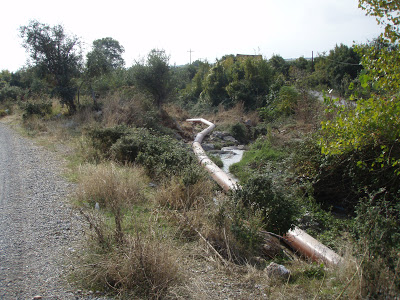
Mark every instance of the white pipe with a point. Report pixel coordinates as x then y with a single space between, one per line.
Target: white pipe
298 239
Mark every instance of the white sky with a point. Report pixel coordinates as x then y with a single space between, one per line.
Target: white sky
211 28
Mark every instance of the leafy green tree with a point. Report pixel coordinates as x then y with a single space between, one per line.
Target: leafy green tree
7 90
154 76
364 141
279 65
102 62
214 91
105 57
57 56
338 68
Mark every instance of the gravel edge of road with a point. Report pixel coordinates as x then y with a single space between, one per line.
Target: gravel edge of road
39 228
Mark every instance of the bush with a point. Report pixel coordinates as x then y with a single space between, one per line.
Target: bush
376 228
10 93
103 138
160 154
278 211
40 109
240 132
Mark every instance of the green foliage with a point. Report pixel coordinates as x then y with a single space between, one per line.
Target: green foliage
382 60
376 228
240 132
338 68
154 76
260 153
283 104
162 155
362 149
214 91
315 271
234 80
105 57
247 222
8 92
278 210
103 138
192 91
371 124
56 55
40 109
279 65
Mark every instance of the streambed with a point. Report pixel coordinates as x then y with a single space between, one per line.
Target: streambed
229 156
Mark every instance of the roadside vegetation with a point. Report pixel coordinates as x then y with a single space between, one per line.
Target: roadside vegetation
322 153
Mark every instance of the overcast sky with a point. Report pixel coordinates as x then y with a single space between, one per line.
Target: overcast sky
211 28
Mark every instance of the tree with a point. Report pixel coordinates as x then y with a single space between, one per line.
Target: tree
106 56
383 63
338 68
364 144
154 76
57 55
279 65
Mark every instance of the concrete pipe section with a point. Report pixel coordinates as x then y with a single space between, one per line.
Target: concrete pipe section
296 238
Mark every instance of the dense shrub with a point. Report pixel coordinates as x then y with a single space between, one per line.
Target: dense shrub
103 138
278 210
240 132
161 155
10 93
376 230
39 109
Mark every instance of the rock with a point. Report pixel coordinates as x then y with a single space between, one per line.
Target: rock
230 138
271 245
208 147
277 271
218 134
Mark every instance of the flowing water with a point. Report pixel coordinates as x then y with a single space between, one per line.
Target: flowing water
229 156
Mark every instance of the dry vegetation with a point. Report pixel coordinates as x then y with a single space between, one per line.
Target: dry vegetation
171 239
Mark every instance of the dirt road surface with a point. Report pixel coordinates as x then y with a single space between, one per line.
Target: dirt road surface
38 228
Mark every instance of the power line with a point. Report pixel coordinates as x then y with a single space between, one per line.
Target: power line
340 62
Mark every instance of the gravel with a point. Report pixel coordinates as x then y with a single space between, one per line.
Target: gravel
38 228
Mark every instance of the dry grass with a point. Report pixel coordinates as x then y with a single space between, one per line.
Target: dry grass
111 185
226 117
174 194
134 110
143 266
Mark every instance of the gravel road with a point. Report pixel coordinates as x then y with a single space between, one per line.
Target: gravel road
38 228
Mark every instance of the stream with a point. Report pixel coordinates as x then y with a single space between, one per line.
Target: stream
229 156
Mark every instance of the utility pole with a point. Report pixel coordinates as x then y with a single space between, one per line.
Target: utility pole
190 51
312 61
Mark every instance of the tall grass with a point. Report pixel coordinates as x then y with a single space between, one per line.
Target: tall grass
115 259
